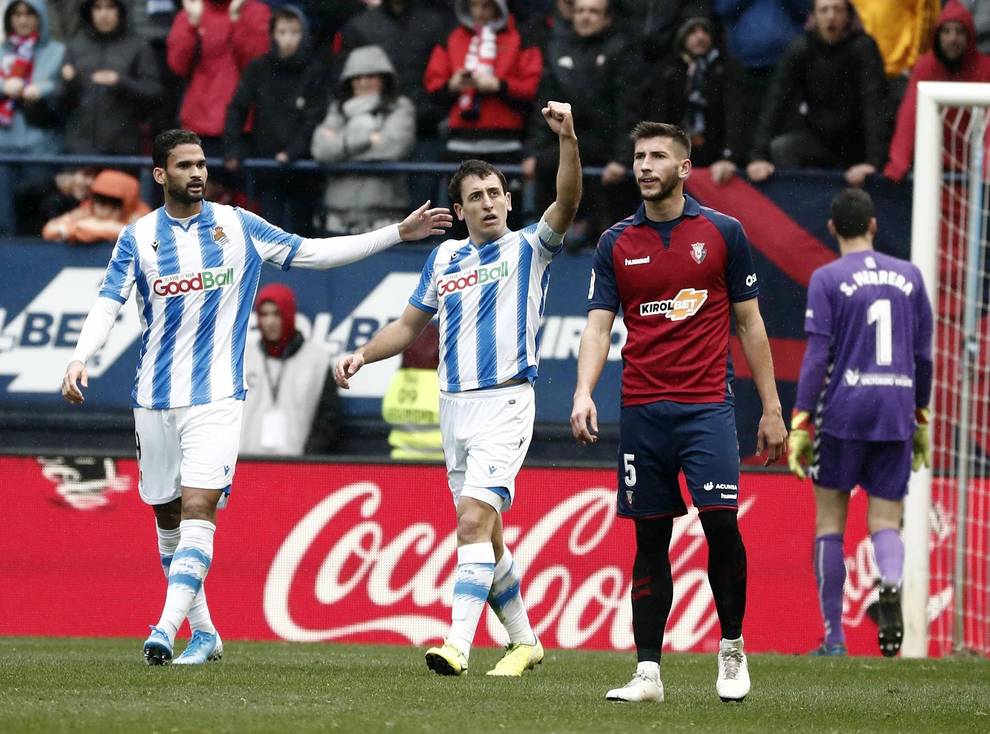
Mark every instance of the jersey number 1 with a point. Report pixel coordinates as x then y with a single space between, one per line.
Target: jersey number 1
879 314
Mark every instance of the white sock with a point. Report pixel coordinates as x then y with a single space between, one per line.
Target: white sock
725 644
649 669
472 583
506 601
199 613
188 569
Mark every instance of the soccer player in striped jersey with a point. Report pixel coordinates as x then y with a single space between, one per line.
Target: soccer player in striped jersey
863 396
489 292
195 266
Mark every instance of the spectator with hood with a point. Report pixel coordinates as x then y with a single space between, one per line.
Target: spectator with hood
292 405
954 58
486 75
114 202
29 65
209 46
111 82
696 89
407 30
655 22
271 90
369 121
825 104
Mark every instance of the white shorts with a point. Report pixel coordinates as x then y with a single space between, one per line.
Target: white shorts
486 435
195 446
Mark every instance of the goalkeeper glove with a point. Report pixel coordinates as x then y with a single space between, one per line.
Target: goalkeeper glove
921 452
799 451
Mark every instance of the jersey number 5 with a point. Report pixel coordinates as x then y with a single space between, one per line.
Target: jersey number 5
630 469
879 314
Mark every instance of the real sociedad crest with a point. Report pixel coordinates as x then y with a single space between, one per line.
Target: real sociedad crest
698 252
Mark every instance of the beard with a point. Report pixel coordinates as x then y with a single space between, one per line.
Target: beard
666 189
181 196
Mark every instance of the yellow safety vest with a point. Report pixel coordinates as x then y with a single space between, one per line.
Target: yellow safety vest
412 407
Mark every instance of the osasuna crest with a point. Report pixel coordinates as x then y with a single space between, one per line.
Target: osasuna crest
699 251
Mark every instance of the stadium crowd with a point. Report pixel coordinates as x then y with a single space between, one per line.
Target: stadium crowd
757 84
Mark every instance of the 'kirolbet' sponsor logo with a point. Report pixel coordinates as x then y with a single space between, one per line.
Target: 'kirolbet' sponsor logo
684 305
180 285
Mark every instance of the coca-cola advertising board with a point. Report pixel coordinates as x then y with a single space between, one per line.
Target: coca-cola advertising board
365 553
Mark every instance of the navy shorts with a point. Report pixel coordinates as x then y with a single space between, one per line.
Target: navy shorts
882 468
657 440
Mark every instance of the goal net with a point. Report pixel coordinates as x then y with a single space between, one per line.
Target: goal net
947 521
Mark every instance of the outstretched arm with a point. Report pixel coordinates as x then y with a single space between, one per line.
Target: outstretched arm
290 250
561 213
392 340
756 347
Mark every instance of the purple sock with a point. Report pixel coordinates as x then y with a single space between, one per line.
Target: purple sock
888 549
830 570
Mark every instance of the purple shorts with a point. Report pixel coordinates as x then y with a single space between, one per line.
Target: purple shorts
882 468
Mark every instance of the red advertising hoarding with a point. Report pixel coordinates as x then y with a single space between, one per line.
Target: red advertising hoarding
365 553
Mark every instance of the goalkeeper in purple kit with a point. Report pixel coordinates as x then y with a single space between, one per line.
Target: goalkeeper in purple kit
861 414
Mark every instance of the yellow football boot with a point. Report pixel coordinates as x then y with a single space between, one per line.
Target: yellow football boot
446 660
518 659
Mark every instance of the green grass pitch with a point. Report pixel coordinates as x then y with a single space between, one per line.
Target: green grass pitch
85 685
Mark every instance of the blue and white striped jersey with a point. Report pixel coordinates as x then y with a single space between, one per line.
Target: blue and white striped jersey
196 282
490 300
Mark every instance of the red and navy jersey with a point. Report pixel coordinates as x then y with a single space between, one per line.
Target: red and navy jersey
674 282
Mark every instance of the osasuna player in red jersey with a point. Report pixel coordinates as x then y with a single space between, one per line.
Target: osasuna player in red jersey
677 269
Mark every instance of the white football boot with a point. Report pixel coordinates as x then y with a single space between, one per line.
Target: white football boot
641 688
733 674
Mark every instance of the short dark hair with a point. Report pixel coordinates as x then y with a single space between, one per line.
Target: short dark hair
647 129
166 141
472 167
852 210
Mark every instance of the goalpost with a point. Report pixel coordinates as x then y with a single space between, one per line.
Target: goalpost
946 593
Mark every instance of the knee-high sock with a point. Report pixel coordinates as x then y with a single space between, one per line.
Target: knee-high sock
472 584
199 613
830 570
888 550
505 599
726 569
652 587
189 566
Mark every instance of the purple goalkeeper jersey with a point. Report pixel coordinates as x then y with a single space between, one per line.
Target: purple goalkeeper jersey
875 312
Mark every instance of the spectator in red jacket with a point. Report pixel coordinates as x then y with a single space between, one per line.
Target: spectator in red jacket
209 45
954 58
487 76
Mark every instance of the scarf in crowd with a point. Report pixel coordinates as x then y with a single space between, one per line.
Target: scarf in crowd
17 63
697 105
480 57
